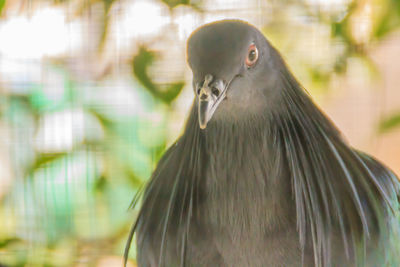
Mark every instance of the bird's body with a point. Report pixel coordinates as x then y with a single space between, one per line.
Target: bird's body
267 184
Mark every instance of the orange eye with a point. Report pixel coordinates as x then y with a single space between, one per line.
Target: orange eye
252 55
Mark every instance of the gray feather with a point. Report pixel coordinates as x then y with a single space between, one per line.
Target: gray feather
276 185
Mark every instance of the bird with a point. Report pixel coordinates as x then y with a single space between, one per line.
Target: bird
260 175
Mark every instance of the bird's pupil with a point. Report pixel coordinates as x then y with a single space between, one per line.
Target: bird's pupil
252 55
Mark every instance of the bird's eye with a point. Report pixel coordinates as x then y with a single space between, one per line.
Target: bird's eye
252 55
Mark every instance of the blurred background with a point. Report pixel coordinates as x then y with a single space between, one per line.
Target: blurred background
93 91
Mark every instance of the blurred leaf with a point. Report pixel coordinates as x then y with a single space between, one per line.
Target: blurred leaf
319 77
39 101
107 123
389 20
100 184
389 123
341 28
372 68
7 241
44 158
134 179
174 3
173 91
159 151
22 100
2 3
107 4
141 62
340 65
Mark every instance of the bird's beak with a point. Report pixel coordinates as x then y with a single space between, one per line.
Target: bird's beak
210 95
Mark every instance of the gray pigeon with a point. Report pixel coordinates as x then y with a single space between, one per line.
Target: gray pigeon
260 176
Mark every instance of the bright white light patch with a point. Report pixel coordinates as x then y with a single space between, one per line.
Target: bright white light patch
139 19
61 131
187 21
328 2
44 34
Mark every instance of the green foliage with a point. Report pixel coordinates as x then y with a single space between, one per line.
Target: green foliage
8 241
2 3
141 62
389 123
42 159
174 3
389 20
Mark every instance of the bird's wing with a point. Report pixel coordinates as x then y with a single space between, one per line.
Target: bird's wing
383 174
154 202
335 187
167 205
391 184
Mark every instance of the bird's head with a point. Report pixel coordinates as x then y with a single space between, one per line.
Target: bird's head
235 71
